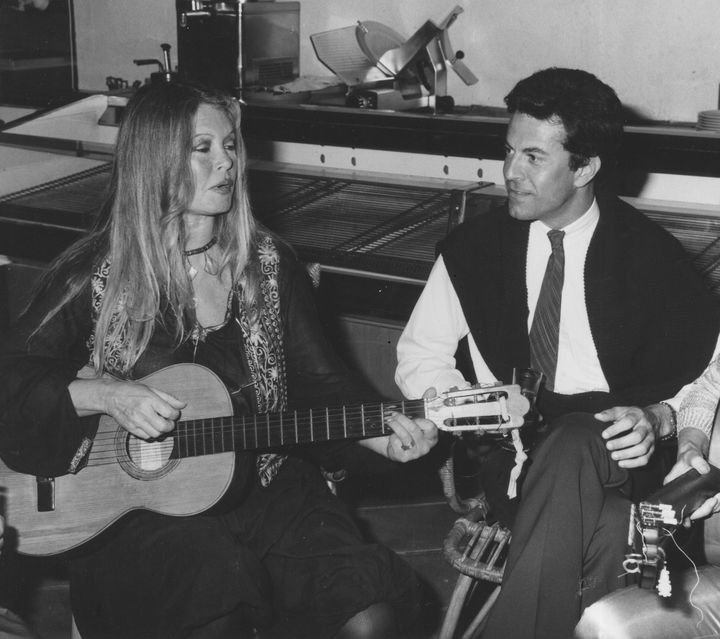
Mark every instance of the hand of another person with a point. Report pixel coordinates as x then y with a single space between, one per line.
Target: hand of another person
709 507
411 438
631 437
692 447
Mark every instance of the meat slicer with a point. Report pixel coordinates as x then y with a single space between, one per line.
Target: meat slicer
382 70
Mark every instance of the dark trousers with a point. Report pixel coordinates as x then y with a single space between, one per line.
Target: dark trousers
569 534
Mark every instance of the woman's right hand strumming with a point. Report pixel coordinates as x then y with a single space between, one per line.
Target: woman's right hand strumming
143 411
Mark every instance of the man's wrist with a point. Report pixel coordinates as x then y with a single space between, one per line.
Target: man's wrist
663 419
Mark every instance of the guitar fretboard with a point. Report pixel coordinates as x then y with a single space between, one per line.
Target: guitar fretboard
207 436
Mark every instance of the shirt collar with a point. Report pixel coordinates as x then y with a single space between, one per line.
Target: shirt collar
583 223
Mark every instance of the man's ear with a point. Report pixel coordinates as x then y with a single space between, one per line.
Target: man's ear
586 173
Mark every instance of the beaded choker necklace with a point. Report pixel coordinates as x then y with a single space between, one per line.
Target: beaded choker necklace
209 266
202 249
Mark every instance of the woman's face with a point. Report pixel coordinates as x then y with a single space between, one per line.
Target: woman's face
213 161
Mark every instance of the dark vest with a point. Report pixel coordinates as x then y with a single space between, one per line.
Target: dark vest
653 322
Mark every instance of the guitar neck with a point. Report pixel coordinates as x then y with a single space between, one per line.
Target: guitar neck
197 437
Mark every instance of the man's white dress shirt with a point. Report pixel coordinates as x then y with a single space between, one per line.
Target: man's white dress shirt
426 349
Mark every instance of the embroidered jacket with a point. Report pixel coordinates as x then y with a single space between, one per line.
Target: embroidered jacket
290 361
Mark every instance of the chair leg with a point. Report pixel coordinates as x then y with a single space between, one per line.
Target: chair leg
74 632
457 601
474 629
456 607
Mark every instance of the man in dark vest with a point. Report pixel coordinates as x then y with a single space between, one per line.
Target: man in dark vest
569 280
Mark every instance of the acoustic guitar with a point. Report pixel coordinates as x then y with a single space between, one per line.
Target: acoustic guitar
189 470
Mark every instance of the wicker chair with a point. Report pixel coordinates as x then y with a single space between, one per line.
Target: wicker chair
477 550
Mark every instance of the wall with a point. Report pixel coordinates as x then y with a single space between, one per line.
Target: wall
662 56
110 34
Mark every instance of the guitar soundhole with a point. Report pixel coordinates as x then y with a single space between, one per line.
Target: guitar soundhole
143 459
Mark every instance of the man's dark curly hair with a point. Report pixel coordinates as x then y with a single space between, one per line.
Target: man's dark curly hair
589 110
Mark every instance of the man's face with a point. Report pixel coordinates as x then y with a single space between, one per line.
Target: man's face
538 178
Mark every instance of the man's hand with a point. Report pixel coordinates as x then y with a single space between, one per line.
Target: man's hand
410 439
632 435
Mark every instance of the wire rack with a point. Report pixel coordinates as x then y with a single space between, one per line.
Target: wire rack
700 236
361 224
382 227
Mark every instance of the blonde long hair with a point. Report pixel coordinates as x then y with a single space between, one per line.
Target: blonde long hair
140 227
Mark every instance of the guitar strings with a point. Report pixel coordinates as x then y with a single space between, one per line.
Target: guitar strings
671 534
195 432
633 557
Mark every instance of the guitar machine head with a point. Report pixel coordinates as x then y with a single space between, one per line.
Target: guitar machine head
495 408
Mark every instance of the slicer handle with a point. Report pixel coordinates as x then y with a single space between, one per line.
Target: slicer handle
144 61
166 56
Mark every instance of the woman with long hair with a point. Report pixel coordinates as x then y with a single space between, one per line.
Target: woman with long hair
177 271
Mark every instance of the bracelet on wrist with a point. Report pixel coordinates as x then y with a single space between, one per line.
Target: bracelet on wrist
673 422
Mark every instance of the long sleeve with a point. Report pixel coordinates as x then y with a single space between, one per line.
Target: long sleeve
40 431
426 349
677 400
700 403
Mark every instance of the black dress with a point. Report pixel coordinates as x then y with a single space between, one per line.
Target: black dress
287 554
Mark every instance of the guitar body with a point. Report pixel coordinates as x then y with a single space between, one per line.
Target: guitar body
123 474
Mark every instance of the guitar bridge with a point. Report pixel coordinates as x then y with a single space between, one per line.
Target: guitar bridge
45 494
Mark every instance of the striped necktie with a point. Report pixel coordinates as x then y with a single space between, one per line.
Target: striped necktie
545 329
